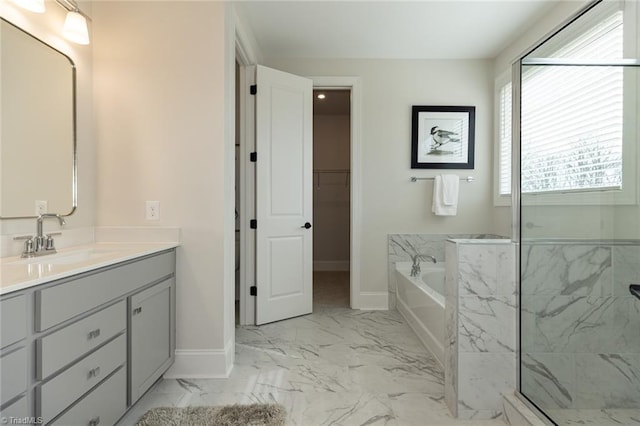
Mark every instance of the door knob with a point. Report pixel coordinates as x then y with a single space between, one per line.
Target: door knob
306 225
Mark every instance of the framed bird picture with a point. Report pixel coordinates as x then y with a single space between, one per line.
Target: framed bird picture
442 137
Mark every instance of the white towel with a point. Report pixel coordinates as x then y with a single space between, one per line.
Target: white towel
445 195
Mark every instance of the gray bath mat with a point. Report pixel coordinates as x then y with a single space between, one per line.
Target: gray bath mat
226 415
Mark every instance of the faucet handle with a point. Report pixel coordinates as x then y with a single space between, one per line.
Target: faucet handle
28 245
50 243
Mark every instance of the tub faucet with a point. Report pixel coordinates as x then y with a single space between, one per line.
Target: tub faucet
415 268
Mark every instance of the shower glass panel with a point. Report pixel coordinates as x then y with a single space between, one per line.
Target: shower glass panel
579 207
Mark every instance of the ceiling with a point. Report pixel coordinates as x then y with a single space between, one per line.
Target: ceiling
419 29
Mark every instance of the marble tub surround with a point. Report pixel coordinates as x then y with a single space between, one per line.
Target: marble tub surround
581 329
480 326
421 302
402 247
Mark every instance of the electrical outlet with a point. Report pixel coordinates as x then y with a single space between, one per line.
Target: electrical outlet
41 207
152 210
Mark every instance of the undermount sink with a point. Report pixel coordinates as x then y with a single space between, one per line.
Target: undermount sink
65 258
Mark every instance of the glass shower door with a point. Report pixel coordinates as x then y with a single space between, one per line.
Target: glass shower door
580 220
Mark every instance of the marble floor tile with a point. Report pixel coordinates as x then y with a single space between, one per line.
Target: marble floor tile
336 366
604 417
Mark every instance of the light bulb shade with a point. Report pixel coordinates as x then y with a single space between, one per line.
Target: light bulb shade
31 5
75 28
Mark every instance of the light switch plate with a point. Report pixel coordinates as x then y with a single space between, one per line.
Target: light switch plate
41 207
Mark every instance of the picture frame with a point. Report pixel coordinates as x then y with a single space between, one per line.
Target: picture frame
443 137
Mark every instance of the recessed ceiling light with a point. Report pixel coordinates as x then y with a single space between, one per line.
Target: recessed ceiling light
321 96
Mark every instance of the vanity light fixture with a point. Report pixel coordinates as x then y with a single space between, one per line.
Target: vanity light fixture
31 5
75 27
321 96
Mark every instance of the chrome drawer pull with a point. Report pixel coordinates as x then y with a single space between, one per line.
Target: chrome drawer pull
137 310
93 373
93 334
94 421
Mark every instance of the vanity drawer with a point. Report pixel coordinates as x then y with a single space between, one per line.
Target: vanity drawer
17 410
58 393
103 406
60 348
13 320
13 374
66 300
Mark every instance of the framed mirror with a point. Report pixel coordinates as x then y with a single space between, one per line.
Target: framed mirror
37 127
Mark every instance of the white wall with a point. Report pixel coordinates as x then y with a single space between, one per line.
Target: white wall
390 203
48 28
163 81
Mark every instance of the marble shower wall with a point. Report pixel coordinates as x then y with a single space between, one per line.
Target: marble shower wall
480 330
403 246
580 325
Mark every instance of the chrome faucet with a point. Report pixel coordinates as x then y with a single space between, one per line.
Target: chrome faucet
415 268
41 244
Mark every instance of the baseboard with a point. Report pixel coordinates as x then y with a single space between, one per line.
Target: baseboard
331 265
374 301
425 336
201 364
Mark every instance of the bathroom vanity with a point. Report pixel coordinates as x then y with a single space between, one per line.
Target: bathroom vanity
85 333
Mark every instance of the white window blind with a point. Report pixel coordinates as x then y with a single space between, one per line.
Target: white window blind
571 125
504 181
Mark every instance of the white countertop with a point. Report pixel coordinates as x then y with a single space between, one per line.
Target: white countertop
17 275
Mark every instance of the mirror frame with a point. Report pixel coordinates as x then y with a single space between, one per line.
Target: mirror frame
74 173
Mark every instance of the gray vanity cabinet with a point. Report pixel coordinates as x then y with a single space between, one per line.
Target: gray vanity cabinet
14 369
81 350
151 335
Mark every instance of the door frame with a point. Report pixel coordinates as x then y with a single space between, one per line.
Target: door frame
352 84
247 184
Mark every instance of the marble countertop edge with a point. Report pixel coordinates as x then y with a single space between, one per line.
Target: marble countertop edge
17 276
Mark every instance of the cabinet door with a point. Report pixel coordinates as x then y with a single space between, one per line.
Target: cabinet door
152 336
13 320
13 374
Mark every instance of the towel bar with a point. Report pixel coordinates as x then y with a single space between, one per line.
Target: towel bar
414 179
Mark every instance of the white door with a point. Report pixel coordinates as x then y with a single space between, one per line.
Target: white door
284 185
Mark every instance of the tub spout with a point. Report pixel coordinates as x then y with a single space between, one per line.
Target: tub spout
415 268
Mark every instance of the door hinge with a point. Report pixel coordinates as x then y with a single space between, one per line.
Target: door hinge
253 224
253 157
253 89
253 290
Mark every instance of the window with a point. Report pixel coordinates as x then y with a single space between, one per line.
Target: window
572 128
504 139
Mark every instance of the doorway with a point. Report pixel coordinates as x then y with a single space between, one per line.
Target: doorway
331 197
247 189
